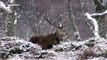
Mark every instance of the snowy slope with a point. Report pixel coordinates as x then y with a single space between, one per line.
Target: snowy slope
13 48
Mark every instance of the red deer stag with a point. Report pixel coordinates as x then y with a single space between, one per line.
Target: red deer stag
47 41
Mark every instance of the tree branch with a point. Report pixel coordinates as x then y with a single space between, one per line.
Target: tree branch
99 14
96 28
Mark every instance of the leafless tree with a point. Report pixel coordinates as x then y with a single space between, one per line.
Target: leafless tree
10 15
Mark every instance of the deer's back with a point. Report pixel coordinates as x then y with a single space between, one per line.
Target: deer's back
37 39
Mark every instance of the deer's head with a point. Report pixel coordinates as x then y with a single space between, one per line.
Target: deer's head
60 32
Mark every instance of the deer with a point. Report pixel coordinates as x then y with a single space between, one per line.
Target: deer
47 41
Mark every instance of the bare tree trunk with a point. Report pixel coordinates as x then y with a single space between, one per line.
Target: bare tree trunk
74 27
10 15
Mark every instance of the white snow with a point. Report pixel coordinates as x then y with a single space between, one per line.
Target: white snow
7 8
11 1
99 14
68 52
4 7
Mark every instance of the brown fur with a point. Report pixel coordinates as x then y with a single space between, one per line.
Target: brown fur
47 41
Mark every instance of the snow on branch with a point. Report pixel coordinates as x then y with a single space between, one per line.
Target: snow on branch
3 6
94 21
8 8
96 28
99 14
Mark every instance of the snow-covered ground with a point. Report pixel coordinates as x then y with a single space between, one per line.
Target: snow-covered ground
13 48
